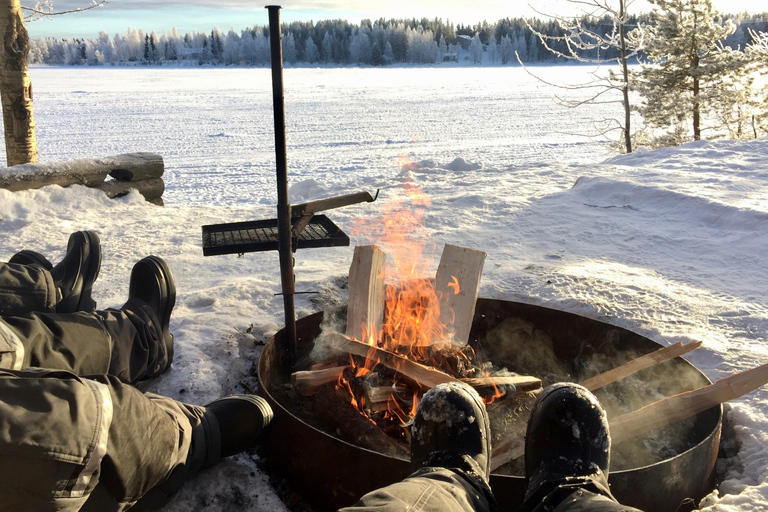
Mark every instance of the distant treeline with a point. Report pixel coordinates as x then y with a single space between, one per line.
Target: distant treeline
339 42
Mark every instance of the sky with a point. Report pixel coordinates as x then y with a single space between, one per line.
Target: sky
115 16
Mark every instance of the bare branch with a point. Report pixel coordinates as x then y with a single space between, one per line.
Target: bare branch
44 9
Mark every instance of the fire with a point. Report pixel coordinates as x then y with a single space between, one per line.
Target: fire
412 312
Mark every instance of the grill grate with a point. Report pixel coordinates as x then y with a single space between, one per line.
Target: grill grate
262 235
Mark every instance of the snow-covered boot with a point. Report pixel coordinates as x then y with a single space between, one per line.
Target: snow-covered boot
451 430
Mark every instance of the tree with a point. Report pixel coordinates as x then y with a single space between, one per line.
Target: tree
600 38
678 79
16 86
476 49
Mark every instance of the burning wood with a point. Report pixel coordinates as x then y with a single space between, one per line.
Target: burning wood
458 280
365 309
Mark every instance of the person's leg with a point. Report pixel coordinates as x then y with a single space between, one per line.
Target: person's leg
450 457
69 443
28 282
132 342
25 288
567 453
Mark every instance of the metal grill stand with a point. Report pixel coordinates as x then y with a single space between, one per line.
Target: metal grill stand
296 227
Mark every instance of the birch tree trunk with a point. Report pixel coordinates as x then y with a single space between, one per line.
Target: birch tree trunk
16 87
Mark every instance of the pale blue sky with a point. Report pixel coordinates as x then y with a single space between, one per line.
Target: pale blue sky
117 15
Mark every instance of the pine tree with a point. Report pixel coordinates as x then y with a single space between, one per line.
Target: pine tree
678 81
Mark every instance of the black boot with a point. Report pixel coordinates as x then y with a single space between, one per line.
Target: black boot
242 419
74 275
152 295
451 430
31 258
567 446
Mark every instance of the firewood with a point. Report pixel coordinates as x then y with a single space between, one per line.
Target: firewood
309 382
687 404
365 306
662 412
424 376
486 385
640 363
340 416
457 284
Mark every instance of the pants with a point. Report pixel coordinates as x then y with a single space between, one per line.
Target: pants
449 490
69 443
125 344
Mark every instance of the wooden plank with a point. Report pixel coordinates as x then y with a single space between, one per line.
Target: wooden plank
427 377
365 307
687 404
485 385
310 381
457 285
662 412
640 363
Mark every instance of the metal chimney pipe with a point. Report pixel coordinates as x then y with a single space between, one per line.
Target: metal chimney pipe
283 206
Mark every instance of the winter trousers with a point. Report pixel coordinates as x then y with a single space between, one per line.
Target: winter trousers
125 344
452 490
70 443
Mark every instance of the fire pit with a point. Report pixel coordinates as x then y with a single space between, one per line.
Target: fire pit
331 473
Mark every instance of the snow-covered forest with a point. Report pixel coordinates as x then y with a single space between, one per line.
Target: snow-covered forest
338 42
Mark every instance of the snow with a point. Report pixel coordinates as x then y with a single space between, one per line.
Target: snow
670 244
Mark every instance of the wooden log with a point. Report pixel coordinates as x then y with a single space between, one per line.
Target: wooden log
457 284
151 188
88 172
338 415
687 404
425 376
486 385
310 381
365 307
640 363
662 412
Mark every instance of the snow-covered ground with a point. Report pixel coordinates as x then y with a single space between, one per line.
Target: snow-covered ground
671 244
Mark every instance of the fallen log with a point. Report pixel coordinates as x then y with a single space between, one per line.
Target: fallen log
639 363
660 413
151 189
89 172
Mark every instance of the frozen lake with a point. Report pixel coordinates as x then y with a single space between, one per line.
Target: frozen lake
214 126
671 244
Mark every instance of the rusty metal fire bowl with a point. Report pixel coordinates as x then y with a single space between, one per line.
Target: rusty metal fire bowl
330 473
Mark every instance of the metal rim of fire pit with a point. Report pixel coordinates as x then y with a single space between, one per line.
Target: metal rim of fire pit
331 473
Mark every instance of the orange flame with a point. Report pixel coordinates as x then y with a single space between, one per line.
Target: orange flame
412 321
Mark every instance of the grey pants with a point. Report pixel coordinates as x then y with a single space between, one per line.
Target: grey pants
448 490
70 443
125 344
